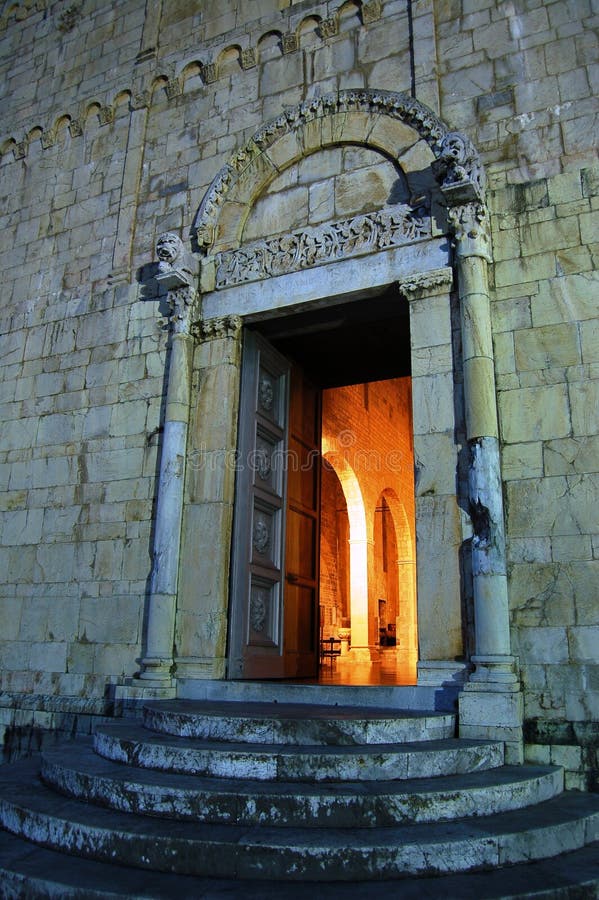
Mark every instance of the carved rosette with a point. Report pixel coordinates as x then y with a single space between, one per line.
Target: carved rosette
260 535
310 247
258 611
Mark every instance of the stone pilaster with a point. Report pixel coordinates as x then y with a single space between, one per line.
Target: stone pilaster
438 517
202 609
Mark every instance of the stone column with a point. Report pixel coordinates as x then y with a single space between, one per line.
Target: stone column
174 274
361 551
491 705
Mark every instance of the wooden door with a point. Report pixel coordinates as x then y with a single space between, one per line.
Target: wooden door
274 585
302 546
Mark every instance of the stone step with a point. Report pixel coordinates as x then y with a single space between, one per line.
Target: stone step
295 723
30 809
128 743
76 770
27 871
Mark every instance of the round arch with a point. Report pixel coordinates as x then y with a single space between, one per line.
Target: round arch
406 620
394 124
358 549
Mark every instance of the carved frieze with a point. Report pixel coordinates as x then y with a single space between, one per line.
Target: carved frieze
317 246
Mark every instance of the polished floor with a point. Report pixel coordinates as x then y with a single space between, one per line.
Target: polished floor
392 668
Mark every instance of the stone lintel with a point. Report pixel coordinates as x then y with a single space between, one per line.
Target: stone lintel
346 279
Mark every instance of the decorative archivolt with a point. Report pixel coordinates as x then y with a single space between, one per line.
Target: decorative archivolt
456 163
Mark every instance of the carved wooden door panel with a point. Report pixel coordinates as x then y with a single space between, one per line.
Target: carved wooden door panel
272 632
303 527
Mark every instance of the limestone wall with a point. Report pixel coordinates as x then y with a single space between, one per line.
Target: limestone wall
546 342
115 120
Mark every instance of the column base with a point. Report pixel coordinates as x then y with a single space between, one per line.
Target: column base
361 655
499 671
442 673
156 669
192 667
131 695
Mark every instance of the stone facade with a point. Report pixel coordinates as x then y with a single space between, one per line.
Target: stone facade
237 124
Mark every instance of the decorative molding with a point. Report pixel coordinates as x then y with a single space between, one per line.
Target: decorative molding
372 11
106 115
458 169
176 274
426 284
290 42
328 27
75 128
173 88
471 230
316 246
396 105
162 70
141 99
248 58
218 328
208 73
20 150
258 610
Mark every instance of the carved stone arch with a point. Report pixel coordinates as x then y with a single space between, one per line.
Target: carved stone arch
394 124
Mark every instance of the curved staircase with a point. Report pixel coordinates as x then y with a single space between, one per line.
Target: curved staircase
212 799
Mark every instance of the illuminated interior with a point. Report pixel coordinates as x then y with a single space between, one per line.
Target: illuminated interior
367 546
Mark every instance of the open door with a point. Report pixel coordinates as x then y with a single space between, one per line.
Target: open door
274 587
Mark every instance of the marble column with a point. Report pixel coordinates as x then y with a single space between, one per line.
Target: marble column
174 274
491 705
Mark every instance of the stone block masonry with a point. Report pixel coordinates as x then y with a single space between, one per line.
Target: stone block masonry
116 119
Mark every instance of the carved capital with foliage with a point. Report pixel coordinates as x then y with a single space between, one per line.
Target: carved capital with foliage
217 328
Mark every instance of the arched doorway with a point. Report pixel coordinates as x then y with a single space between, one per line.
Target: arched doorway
241 284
